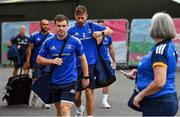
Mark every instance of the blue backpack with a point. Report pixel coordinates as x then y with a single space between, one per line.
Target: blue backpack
13 53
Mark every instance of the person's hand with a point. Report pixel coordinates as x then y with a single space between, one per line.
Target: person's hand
26 66
18 46
85 82
97 34
57 61
9 44
132 74
137 99
113 65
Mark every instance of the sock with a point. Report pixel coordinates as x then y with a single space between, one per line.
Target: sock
89 115
105 97
79 108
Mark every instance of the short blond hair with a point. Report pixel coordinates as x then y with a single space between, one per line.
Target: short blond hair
162 26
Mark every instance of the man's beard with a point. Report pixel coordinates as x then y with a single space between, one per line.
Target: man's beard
44 30
81 23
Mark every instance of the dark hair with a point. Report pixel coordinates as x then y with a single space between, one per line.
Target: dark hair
60 17
43 20
80 9
100 21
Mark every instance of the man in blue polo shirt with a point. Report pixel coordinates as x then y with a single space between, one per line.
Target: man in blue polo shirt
85 31
64 72
36 40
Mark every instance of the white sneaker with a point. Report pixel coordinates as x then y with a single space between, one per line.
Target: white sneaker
33 101
80 111
46 106
105 105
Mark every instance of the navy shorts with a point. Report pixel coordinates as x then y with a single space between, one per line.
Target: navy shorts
92 83
21 63
64 94
165 105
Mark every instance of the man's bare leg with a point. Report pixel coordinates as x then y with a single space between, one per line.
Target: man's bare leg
89 101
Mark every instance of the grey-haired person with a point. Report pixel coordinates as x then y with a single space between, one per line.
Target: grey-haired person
156 73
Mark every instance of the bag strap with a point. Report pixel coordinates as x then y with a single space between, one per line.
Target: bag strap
98 46
21 72
43 39
60 53
62 48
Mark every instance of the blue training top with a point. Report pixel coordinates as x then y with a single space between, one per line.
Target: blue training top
37 38
163 53
84 33
67 72
104 51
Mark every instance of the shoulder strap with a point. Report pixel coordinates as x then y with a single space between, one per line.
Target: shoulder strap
43 39
60 53
62 48
98 46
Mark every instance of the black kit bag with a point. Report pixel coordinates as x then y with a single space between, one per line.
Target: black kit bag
42 86
13 53
105 74
131 99
18 89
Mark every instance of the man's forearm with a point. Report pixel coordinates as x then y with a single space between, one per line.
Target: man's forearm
84 66
43 61
108 31
29 50
112 53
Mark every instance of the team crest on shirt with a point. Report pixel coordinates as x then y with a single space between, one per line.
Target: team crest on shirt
84 35
89 31
53 48
69 46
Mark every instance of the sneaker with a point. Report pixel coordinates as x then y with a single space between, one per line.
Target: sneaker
105 105
46 106
80 111
33 101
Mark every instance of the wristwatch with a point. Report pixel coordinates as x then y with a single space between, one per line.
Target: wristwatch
86 77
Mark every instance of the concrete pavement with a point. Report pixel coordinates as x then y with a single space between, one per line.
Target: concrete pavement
120 92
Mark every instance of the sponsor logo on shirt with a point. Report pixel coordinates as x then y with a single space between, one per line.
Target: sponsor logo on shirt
38 39
55 54
85 38
72 91
53 48
76 34
66 54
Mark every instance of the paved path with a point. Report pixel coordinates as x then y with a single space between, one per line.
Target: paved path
120 93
